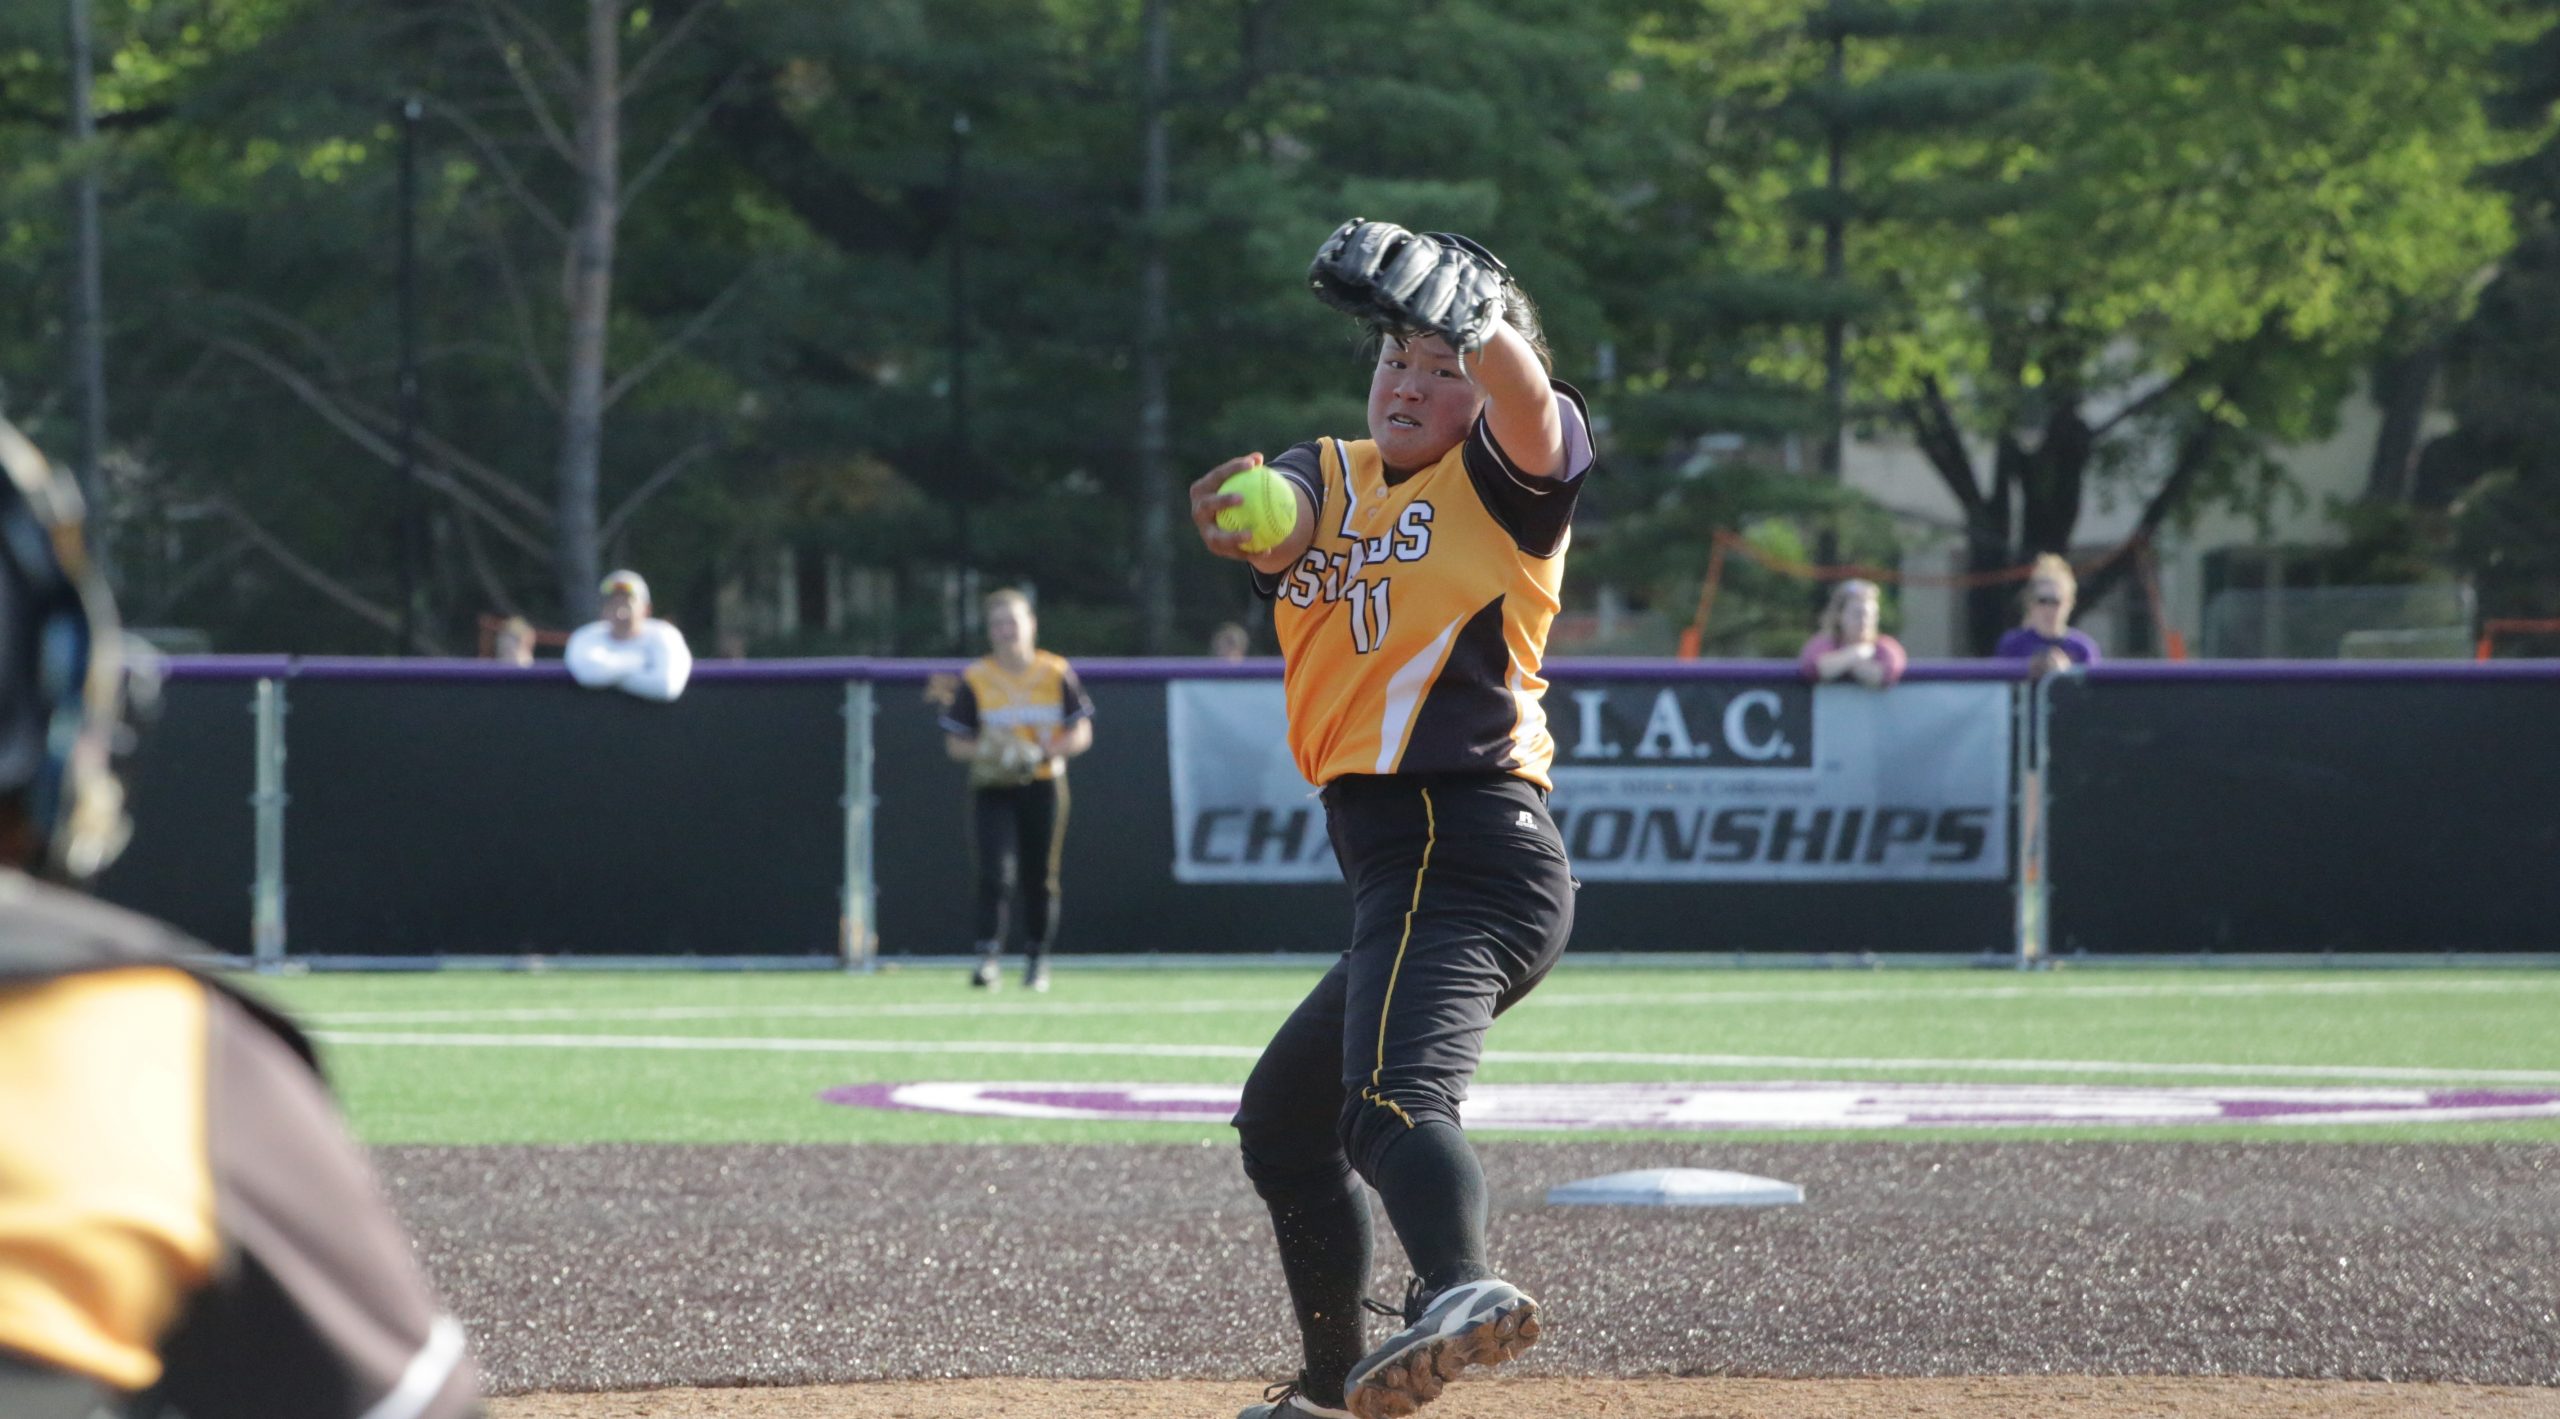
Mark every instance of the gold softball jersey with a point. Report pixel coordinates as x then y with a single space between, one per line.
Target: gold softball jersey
1415 626
1045 696
181 1214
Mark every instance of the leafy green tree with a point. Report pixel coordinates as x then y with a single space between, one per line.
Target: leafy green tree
1814 123
2497 472
2244 197
882 301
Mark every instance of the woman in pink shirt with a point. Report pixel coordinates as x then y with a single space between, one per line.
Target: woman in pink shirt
1849 646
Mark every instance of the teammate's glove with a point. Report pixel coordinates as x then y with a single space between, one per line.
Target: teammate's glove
1005 760
1436 284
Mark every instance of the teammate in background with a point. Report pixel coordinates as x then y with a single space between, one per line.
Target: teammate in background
1412 603
1230 642
629 649
513 643
184 1227
1015 719
2046 639
1850 645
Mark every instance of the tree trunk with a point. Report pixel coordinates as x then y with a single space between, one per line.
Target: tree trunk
1835 275
1156 485
2052 482
590 292
1990 609
2049 484
2402 385
88 301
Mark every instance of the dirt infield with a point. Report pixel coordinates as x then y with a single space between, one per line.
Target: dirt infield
1615 1399
1051 1281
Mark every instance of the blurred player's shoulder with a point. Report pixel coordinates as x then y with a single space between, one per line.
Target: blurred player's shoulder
48 931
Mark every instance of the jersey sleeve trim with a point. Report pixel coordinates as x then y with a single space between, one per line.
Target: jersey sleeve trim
1537 512
1303 465
1073 703
1578 455
961 719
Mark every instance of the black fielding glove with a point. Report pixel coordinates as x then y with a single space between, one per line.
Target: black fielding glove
1399 282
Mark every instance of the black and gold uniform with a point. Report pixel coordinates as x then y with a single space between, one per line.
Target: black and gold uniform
1414 632
1018 793
185 1229
1415 626
182 1218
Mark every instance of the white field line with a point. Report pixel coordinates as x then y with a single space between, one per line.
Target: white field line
701 1044
723 1044
563 1014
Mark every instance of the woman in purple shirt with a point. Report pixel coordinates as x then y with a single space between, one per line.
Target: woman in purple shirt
2045 639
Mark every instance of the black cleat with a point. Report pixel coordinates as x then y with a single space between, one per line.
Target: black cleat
989 975
1473 1323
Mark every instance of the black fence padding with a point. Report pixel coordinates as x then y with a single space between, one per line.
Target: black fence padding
522 816
1117 876
1877 918
2306 816
193 857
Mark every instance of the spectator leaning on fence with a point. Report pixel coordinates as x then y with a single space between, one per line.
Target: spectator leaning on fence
1850 646
2045 639
513 642
629 649
185 1227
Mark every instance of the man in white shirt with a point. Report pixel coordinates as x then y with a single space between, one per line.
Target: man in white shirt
628 649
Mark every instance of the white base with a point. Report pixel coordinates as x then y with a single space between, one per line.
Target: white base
1676 1187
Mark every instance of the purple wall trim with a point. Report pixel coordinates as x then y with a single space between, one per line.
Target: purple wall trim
260 667
2297 671
1631 667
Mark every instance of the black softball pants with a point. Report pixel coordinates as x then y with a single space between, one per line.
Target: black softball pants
1021 835
1461 903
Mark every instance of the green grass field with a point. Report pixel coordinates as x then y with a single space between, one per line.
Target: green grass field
471 1057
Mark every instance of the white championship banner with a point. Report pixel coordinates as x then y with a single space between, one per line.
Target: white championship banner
1656 781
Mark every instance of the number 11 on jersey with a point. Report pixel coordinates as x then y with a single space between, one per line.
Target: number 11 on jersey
1368 616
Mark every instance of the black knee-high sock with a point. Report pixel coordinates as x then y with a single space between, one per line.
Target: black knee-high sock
1434 1191
1324 1251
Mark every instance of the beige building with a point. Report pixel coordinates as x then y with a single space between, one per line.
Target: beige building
2230 585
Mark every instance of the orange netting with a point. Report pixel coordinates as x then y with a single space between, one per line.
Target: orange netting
2146 567
2508 626
491 625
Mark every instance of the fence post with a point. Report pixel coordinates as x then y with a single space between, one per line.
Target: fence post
266 892
2032 736
860 941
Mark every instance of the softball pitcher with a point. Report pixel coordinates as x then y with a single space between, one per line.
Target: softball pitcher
1412 601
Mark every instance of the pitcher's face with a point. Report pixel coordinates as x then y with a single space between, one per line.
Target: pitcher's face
1422 401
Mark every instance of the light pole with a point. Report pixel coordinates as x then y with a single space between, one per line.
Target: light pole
964 481
411 111
88 300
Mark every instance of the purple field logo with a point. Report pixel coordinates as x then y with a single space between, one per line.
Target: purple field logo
1708 1108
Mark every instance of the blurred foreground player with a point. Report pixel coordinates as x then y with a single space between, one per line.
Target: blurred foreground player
1412 603
185 1230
